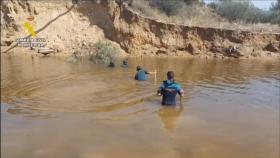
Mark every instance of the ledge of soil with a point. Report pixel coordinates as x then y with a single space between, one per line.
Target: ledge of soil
90 21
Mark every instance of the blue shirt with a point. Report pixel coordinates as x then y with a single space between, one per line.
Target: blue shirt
141 75
169 89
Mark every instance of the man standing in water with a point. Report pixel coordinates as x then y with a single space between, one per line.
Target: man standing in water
141 74
169 89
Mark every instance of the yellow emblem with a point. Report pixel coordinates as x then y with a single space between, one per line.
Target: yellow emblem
29 26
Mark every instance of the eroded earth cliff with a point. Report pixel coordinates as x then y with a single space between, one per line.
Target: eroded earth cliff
69 26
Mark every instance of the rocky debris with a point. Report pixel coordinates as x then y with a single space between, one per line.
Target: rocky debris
239 51
45 51
6 42
216 48
162 51
273 47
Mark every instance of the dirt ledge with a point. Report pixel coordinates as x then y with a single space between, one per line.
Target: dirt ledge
139 35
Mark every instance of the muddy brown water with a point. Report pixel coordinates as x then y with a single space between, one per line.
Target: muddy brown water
53 108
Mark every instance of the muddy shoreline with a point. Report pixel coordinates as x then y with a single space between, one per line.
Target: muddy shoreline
18 51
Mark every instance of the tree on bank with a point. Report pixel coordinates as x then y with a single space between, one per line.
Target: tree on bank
245 11
275 6
233 10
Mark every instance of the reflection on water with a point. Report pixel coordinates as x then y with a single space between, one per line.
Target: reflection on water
169 115
52 108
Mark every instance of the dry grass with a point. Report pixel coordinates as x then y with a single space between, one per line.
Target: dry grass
199 15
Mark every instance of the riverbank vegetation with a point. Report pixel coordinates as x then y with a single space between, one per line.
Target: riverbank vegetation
245 11
105 52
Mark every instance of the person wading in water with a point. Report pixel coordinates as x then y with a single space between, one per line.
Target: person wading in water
141 74
125 64
169 89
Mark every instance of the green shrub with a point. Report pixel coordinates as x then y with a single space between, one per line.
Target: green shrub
275 13
105 52
170 7
275 6
245 11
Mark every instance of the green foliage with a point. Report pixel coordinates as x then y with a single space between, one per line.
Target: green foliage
170 7
245 11
276 6
193 1
275 13
105 52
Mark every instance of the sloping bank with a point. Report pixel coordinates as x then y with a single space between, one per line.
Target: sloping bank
138 35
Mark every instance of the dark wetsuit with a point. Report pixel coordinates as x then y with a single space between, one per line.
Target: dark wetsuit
141 75
169 90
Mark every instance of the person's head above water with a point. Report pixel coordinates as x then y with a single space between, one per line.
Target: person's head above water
170 75
112 64
138 68
125 62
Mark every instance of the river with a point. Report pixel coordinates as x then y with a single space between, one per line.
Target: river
53 108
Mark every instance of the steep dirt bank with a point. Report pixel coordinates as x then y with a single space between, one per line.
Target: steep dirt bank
140 35
90 21
57 21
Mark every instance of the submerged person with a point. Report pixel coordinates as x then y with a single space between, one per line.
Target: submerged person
169 89
141 74
125 64
111 64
